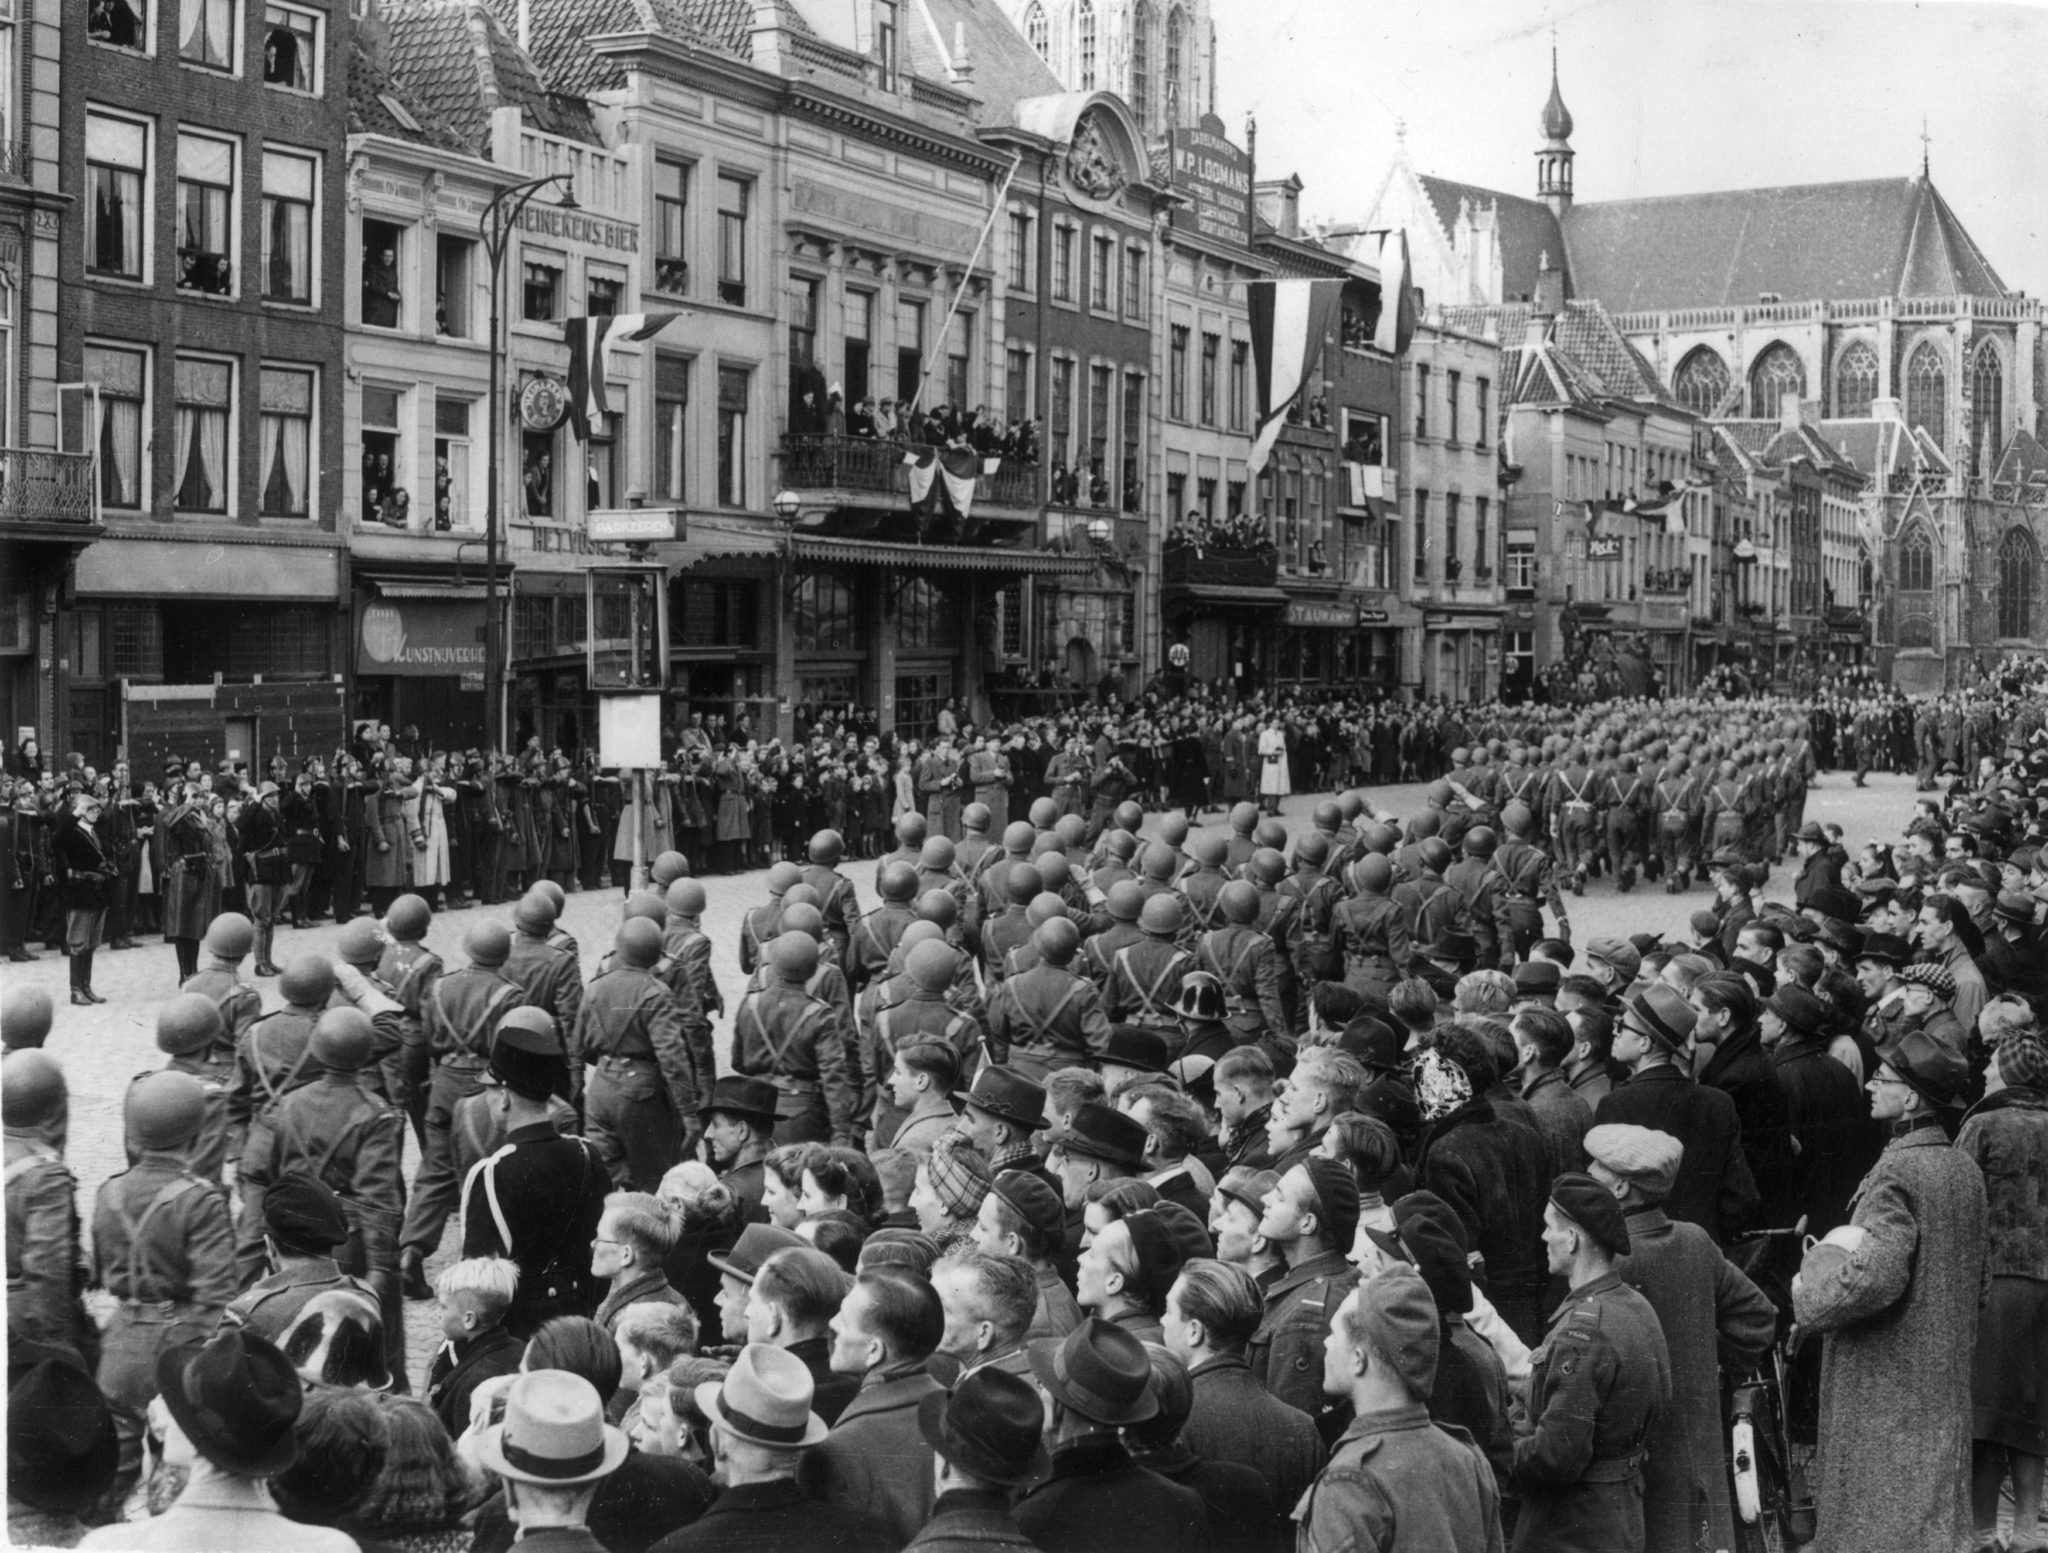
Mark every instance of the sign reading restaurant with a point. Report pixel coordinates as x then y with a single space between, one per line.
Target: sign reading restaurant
580 226
1217 178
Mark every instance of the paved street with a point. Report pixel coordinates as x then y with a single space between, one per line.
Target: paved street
102 1048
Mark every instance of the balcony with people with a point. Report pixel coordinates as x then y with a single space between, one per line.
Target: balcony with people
851 456
1236 552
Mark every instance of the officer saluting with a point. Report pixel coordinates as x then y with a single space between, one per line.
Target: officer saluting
1596 1386
536 1200
640 1106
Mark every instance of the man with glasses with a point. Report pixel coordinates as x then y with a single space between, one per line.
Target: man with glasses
1654 1041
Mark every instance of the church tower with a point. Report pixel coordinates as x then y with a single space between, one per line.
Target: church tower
1554 161
1158 55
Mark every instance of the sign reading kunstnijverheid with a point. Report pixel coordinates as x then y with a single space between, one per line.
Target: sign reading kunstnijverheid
1217 177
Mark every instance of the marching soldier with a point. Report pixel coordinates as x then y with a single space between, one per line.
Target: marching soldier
836 898
1122 906
409 969
1247 967
925 1015
1009 926
1624 796
336 1132
785 1035
188 1031
1047 1017
879 930
1202 884
547 978
1522 783
46 1271
357 985
461 1012
764 922
275 1058
1368 932
226 945
163 1247
1144 979
1485 894
640 1086
684 944
1597 1385
1676 819
1315 893
1571 802
1531 882
1427 903
1724 811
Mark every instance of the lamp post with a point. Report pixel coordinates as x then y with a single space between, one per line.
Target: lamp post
788 507
499 217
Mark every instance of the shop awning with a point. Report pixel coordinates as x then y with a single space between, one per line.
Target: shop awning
711 540
200 568
1217 593
946 558
411 588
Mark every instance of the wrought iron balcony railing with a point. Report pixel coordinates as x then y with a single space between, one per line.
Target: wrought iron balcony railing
821 462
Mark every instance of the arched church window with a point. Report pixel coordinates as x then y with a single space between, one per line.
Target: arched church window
1701 382
1176 65
1141 63
1777 373
1037 32
1084 33
1916 561
2019 565
1987 409
1927 392
1855 381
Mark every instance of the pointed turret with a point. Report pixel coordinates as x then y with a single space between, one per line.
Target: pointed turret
1554 160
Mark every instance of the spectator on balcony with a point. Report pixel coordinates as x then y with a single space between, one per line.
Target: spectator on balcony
861 422
885 421
1318 562
835 412
1098 486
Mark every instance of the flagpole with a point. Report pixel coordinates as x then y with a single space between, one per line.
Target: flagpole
960 291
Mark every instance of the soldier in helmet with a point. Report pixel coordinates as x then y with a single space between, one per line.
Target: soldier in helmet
1675 822
188 1031
1573 802
879 930
1047 1017
1315 893
785 1035
1144 977
46 1272
764 922
1010 926
1625 797
1531 881
1427 903
547 977
836 898
408 969
26 1015
1121 908
1484 891
340 1134
228 940
1203 883
1368 932
163 1248
925 1015
1247 967
641 1085
976 821
274 1058
683 941
460 1015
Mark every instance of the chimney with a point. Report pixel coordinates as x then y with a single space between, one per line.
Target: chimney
1548 300
1279 204
766 36
1886 410
526 25
963 65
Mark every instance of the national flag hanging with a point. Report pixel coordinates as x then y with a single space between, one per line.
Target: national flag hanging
1290 321
588 337
942 480
1396 325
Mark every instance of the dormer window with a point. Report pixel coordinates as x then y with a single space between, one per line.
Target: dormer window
885 43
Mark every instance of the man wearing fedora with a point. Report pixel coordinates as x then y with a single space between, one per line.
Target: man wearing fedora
229 1409
1820 864
739 1128
1001 1114
551 1453
1097 1499
987 1440
761 1427
1653 1040
61 1449
538 1200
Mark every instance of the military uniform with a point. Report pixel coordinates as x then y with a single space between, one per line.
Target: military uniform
1200 890
785 1035
756 928
1398 1481
409 971
209 1152
1099 950
1286 1352
548 978
1485 894
685 943
1531 885
1316 895
1144 983
274 1058
1625 794
1244 960
461 1014
1370 936
1596 1384
239 1003
1571 802
1046 1018
347 1139
922 1016
1675 822
46 1271
271 1304
537 1200
163 1247
641 1084
837 903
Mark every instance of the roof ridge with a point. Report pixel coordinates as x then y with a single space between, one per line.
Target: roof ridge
1780 188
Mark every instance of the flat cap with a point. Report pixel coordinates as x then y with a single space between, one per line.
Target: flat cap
1642 1155
1617 952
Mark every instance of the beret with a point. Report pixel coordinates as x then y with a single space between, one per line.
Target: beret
1642 1155
1592 1207
1398 1316
305 1212
1034 1200
1337 1204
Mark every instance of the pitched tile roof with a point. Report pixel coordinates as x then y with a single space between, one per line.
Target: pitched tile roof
380 104
1527 231
1583 358
556 30
458 59
1006 68
1875 238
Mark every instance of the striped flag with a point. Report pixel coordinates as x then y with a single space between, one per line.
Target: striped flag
1290 321
1396 326
588 337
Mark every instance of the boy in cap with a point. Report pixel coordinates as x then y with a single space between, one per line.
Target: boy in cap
1602 1377
1708 1310
1395 1479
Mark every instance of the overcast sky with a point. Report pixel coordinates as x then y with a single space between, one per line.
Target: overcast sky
1668 97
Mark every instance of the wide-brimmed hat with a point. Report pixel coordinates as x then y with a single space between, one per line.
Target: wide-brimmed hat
61 1447
237 1399
756 1244
1134 1046
554 1434
752 1098
1885 949
1099 1370
991 1425
764 1399
1930 1065
1007 1095
1097 1131
1662 1012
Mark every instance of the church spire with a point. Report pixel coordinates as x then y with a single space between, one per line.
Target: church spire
1554 158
